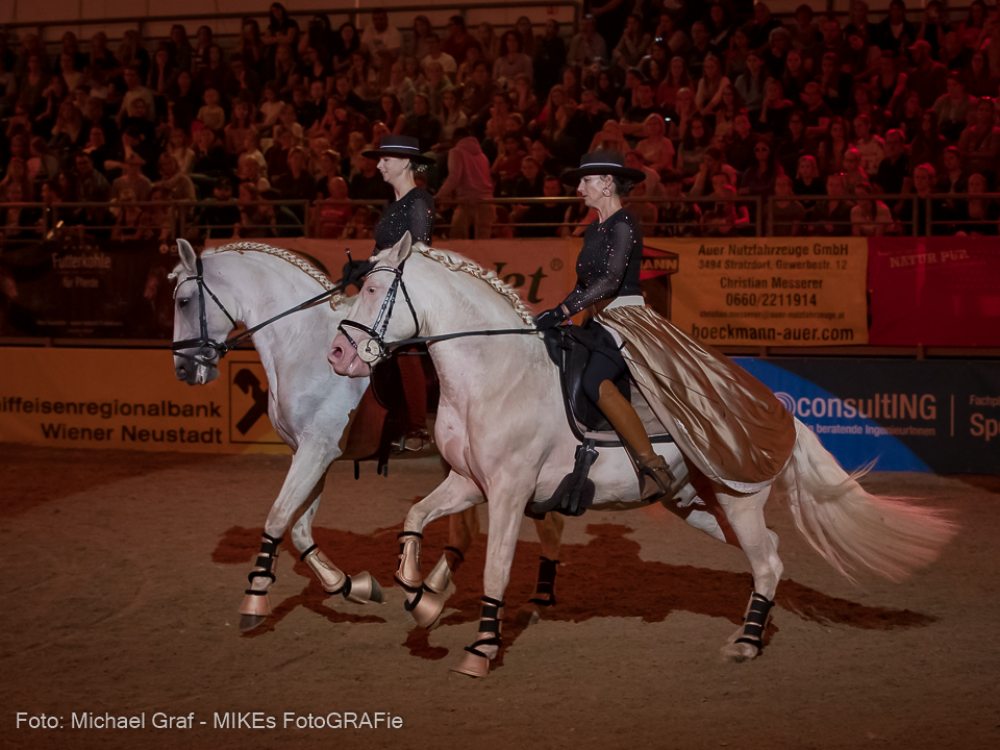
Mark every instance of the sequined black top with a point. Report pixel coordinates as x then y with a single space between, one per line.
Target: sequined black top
414 212
609 262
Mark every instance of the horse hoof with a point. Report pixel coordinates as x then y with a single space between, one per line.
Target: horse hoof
473 665
251 622
256 604
427 612
737 653
365 590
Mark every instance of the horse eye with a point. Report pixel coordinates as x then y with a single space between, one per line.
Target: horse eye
183 302
371 290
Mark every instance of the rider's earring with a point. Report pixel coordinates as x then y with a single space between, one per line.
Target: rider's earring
607 192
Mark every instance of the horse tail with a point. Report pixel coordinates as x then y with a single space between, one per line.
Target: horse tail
853 530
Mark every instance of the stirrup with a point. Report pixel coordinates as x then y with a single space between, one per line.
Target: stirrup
655 479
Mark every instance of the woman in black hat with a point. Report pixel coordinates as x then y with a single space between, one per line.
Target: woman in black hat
399 161
608 273
724 421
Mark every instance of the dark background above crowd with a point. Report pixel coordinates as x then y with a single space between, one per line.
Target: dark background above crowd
263 133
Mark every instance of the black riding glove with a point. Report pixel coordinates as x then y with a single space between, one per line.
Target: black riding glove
355 271
550 319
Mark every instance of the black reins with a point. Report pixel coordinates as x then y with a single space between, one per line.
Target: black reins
204 344
376 348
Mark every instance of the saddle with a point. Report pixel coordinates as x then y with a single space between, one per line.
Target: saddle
570 348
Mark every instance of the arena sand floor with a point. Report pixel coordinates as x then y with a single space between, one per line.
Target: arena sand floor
123 573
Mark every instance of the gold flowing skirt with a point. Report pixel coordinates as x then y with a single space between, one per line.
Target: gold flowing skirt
724 420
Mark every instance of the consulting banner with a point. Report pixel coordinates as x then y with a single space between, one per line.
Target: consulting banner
783 291
909 415
935 291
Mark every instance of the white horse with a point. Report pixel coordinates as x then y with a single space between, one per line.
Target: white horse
501 426
309 406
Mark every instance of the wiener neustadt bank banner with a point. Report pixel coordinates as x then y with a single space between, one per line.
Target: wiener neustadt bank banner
769 291
128 399
924 415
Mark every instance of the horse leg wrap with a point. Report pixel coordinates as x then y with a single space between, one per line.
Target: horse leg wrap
264 565
755 620
408 572
476 662
331 578
545 588
361 589
256 601
439 579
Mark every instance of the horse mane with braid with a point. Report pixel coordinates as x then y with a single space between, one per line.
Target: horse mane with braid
457 263
286 255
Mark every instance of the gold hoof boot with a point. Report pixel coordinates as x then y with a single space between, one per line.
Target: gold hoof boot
364 590
476 661
426 607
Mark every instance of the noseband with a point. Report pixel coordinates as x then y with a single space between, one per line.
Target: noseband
206 345
376 348
203 343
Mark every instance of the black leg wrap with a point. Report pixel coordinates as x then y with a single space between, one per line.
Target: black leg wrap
756 620
546 585
264 564
489 622
305 554
456 552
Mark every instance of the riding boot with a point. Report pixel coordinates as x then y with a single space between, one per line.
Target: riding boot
655 477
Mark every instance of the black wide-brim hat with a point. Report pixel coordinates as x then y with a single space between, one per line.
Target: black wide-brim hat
400 146
603 162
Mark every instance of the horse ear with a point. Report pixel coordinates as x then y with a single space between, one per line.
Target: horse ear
401 250
187 254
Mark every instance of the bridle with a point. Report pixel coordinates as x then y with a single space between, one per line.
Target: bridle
376 348
209 349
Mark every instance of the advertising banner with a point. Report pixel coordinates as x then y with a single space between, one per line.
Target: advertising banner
934 291
130 399
941 416
542 271
79 287
766 291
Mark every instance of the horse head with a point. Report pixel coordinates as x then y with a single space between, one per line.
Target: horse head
375 320
201 321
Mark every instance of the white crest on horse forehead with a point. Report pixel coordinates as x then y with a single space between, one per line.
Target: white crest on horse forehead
455 262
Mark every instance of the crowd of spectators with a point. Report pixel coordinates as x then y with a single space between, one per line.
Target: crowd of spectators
265 134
